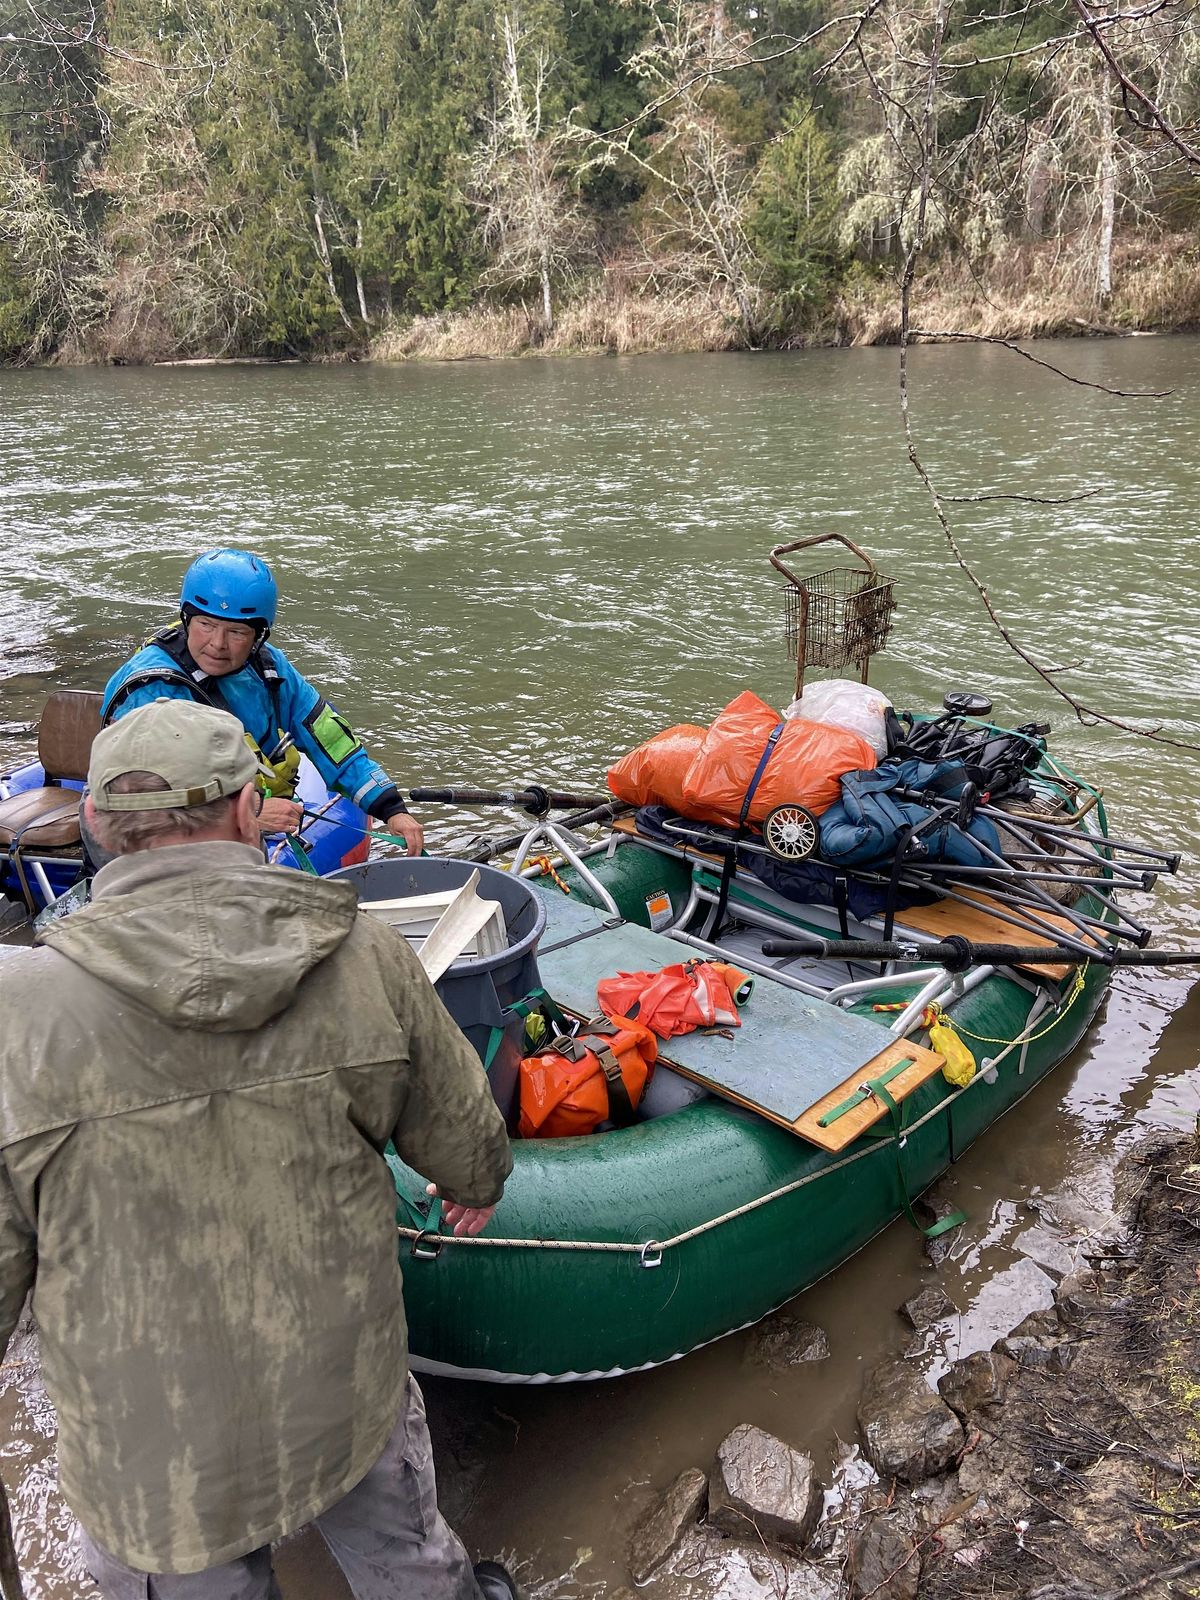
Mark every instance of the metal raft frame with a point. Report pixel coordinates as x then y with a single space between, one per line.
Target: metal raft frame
837 618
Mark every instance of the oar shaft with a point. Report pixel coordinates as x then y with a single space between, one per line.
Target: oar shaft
957 954
534 799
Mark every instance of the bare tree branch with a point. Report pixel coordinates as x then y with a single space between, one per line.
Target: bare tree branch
1086 714
1038 361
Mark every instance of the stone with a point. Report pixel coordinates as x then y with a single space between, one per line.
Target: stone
1038 1342
708 1566
979 1379
666 1522
885 1561
785 1340
939 1202
928 1307
1042 1324
759 1484
908 1431
1079 1296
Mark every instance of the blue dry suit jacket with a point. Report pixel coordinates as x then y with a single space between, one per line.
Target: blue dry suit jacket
269 700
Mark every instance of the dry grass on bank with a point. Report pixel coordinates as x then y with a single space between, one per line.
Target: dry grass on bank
1036 292
613 320
1030 292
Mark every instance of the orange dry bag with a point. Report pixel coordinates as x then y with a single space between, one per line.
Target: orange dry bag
652 775
679 998
578 1083
752 760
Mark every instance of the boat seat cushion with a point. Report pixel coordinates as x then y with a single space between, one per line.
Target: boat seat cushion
41 819
70 721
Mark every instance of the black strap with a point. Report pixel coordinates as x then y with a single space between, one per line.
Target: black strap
729 867
620 1108
201 685
768 752
621 1112
841 899
138 680
893 889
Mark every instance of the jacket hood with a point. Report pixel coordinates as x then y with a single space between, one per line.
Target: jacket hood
206 936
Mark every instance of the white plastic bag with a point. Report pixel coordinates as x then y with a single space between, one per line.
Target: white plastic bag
846 704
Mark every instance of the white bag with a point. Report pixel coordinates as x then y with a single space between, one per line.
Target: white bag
845 704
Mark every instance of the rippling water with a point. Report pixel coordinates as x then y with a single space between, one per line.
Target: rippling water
508 572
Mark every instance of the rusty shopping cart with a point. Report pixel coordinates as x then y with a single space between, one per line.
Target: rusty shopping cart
837 618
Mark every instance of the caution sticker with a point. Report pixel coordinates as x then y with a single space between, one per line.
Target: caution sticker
659 909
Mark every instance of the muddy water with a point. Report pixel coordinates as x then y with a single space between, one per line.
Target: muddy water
507 572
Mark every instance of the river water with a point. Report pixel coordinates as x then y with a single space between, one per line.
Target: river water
508 572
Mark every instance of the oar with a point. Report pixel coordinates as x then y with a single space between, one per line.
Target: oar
957 954
536 800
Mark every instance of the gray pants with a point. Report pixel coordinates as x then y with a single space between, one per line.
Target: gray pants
387 1535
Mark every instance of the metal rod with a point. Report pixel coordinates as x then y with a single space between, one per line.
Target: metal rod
759 968
1030 923
608 812
1170 859
557 839
1138 934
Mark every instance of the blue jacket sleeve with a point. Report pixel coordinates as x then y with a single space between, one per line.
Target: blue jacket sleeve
330 743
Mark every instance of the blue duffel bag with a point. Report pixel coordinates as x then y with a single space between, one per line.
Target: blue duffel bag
872 820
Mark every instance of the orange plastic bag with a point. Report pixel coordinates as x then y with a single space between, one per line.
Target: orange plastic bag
581 1082
652 775
678 999
804 767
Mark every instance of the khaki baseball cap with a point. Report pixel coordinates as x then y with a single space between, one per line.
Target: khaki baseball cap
201 754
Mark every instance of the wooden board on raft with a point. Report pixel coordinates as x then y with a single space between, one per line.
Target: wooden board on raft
979 923
922 1065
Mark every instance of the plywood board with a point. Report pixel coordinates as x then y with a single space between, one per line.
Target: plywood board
979 923
791 1050
923 1065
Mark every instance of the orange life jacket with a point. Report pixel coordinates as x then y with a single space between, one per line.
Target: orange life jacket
679 998
575 1084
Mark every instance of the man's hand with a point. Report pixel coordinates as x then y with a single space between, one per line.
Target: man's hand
409 829
461 1220
280 816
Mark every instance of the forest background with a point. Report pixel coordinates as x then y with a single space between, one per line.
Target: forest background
193 178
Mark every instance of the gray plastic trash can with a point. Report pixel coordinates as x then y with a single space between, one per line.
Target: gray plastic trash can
476 989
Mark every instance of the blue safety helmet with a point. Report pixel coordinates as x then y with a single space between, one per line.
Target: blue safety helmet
233 585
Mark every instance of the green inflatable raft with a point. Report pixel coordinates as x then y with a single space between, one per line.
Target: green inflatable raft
618 1251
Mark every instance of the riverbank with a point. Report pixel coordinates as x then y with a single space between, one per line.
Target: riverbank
1063 1464
1032 291
1027 293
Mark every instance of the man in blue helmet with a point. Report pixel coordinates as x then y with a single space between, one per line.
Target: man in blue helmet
217 654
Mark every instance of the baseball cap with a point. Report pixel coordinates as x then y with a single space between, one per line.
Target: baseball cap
200 753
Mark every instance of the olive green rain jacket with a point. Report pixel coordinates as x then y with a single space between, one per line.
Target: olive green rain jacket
197 1081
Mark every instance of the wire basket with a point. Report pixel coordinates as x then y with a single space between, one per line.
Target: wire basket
837 618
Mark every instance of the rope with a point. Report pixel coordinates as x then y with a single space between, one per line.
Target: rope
934 1013
617 1247
1027 1037
547 867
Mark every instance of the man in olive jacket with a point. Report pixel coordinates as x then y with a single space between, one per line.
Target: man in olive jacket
198 1076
